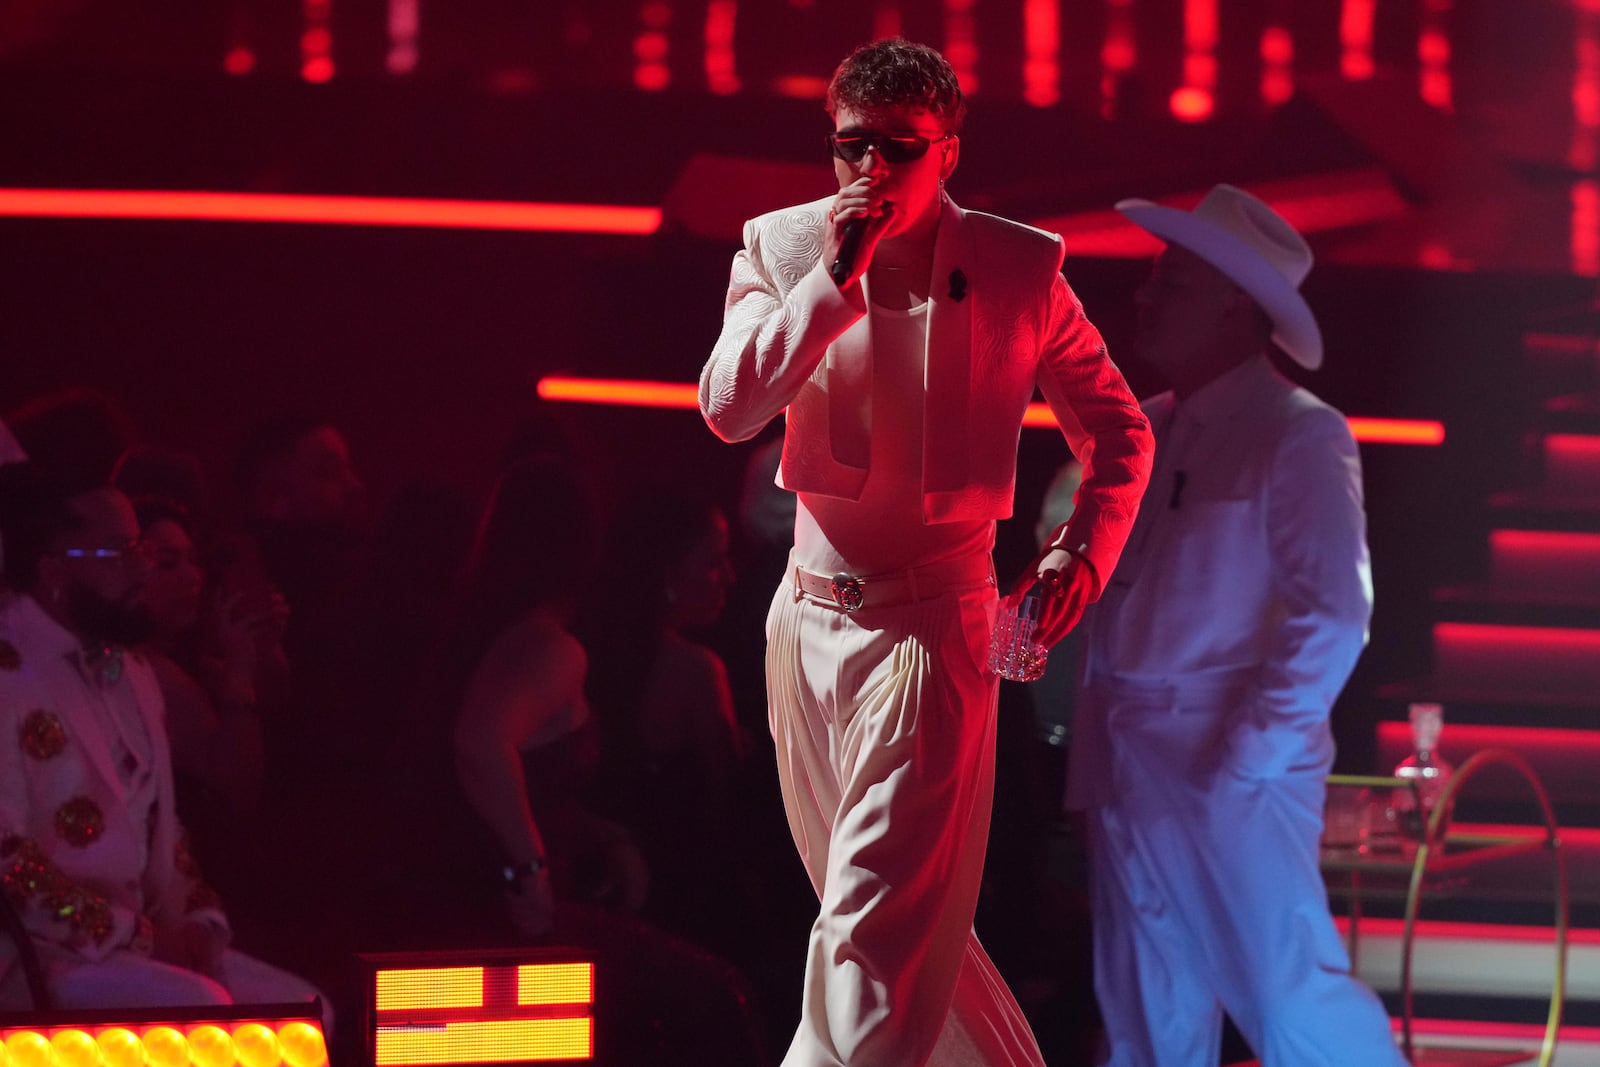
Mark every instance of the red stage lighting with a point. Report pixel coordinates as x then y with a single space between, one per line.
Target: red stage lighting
334 210
686 396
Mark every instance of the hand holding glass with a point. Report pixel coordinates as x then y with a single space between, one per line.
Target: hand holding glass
1013 652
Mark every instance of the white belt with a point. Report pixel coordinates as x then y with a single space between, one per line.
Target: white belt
852 592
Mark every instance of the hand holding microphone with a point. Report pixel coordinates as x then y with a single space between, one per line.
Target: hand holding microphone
857 219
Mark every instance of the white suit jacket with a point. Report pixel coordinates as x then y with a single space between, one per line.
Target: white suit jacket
1003 320
72 854
1247 574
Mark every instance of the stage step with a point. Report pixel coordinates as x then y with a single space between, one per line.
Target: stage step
1542 509
1484 706
1571 413
1545 563
1563 760
1476 959
1574 608
1571 464
1536 660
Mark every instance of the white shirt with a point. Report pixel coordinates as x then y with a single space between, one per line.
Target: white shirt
883 531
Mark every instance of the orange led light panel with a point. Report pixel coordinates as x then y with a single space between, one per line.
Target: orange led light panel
1397 431
499 1041
497 1007
430 987
626 393
555 983
222 1043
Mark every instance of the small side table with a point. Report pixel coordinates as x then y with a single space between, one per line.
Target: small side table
1441 860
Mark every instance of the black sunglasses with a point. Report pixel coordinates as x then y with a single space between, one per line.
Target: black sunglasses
852 146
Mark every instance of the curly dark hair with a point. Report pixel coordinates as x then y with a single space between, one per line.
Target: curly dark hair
895 72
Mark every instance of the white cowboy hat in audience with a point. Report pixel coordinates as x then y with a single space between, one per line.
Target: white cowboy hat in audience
1252 244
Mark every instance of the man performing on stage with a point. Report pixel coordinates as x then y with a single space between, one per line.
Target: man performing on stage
1201 740
905 337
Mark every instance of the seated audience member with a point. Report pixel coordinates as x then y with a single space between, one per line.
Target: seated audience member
524 746
304 508
146 472
218 655
524 742
92 854
675 749
77 433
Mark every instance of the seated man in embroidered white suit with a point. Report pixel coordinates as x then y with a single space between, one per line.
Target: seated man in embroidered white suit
91 853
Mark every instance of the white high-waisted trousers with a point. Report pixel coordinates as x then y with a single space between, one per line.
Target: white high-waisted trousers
884 722
1208 897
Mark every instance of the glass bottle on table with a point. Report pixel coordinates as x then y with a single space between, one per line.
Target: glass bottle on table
1425 769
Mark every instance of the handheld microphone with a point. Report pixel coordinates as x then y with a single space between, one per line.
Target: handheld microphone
849 245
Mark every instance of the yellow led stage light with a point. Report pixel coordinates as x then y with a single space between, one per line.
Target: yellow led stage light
495 1007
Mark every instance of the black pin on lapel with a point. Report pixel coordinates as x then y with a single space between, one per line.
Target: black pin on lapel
958 286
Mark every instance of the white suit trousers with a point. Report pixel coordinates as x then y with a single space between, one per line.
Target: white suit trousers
884 722
1208 897
127 979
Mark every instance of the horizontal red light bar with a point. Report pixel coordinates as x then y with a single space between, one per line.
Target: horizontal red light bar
1393 928
332 210
676 395
626 393
1397 431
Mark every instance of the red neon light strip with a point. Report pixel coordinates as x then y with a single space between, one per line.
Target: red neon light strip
316 41
1397 431
1355 32
1041 71
961 42
721 70
1428 929
335 210
680 396
627 394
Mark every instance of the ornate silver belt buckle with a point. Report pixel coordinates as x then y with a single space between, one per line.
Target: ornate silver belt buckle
846 592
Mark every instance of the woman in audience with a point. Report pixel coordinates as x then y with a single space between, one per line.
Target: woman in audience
524 743
675 750
217 653
525 747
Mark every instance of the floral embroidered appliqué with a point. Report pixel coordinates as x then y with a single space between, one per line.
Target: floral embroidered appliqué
144 936
201 895
29 877
80 822
42 735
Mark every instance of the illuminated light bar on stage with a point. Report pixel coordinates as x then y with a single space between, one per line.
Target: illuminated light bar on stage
625 393
499 1006
1397 431
686 396
275 1035
328 210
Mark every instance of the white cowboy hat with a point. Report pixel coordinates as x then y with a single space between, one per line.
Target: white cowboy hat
1252 244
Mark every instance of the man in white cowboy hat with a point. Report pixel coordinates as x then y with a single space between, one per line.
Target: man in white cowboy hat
1213 659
